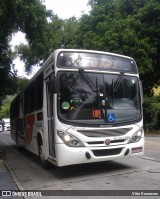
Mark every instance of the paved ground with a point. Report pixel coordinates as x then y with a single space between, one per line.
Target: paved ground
6 180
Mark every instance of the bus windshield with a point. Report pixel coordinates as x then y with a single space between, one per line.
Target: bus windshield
79 103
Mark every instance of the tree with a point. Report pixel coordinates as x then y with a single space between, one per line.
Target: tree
41 47
5 108
126 27
21 83
60 33
29 17
152 112
70 28
148 15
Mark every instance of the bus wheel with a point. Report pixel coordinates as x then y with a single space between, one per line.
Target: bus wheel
44 162
19 148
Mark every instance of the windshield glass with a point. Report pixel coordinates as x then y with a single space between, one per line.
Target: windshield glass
78 102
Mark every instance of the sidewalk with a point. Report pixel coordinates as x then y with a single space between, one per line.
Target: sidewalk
6 180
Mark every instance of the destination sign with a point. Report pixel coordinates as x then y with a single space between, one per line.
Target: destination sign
96 61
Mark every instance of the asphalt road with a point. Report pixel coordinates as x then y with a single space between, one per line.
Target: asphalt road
152 147
128 174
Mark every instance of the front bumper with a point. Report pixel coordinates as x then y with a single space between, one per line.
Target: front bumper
80 155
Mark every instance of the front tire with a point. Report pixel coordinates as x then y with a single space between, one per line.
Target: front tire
44 163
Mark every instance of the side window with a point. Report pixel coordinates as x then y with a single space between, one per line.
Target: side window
26 101
15 109
21 111
31 97
39 92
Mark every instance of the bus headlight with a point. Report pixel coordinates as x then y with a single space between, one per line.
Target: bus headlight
136 136
69 139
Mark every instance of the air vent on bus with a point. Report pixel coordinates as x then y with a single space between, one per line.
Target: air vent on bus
107 152
105 132
102 142
118 141
98 142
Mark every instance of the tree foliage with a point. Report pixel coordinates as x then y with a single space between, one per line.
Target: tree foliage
152 112
129 27
5 108
29 17
59 33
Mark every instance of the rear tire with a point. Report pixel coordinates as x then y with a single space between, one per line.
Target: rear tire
18 146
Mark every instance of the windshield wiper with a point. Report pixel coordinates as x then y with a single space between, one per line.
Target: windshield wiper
118 81
88 81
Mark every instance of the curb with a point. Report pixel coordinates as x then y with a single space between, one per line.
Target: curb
14 177
6 167
17 182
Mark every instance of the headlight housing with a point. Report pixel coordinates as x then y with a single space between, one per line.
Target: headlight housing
69 139
136 136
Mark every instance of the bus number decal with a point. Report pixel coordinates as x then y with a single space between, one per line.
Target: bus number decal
29 122
96 113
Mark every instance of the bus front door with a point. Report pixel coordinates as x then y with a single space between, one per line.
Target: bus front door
50 120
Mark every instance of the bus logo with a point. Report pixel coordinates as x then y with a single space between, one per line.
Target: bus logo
29 123
107 141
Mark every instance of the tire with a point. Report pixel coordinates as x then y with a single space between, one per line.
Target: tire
19 148
44 163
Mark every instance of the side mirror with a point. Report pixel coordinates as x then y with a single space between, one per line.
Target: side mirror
52 84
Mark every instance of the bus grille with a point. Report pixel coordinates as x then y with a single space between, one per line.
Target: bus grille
107 152
102 142
105 132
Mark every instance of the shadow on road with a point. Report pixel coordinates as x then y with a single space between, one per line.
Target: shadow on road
78 170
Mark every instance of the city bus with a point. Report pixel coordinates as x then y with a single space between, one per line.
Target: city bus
82 106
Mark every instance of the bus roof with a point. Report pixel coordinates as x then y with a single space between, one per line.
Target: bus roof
57 51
